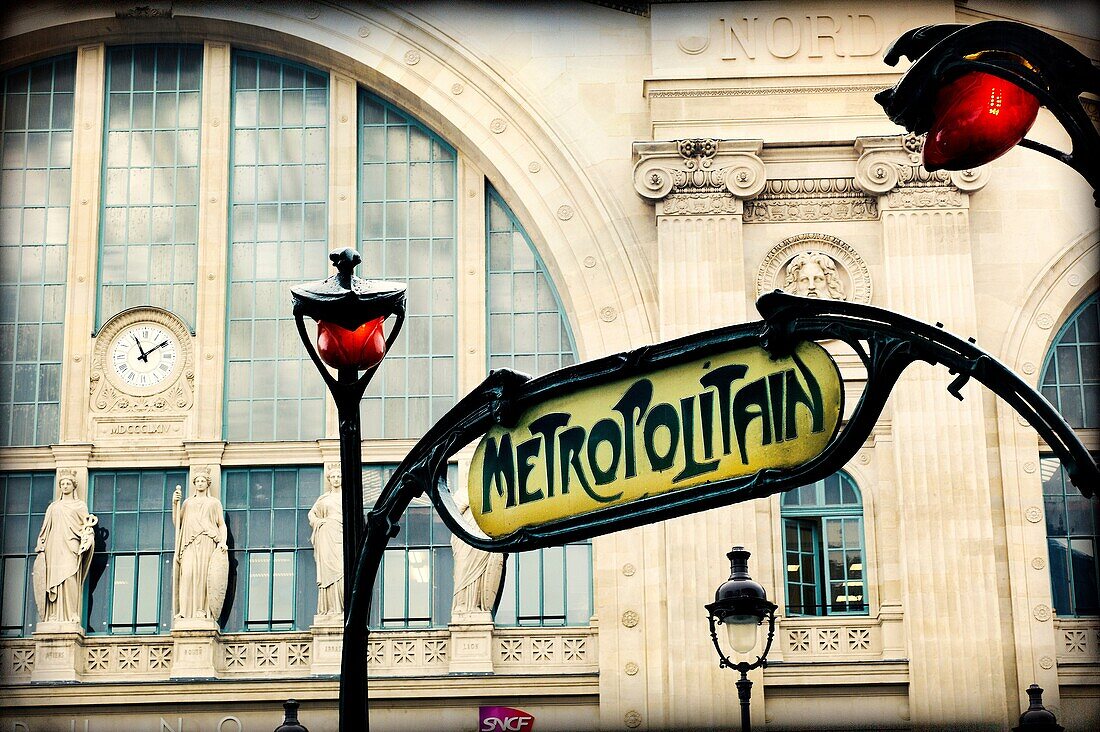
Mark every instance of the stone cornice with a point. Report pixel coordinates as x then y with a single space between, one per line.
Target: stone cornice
889 167
698 176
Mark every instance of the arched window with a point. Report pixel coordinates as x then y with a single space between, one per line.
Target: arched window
150 201
823 548
278 237
1071 382
35 183
528 332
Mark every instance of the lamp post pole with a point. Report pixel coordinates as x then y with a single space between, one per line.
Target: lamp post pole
741 605
349 312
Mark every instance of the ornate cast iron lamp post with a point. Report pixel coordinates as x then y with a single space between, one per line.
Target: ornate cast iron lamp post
976 91
741 605
350 313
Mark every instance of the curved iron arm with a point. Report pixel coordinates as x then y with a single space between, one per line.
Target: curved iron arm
744 666
1050 69
893 343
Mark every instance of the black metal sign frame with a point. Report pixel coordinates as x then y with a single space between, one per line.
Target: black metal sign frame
887 343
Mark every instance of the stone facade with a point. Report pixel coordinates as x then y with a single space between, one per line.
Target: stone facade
666 166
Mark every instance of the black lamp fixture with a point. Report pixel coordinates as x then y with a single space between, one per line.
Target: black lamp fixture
741 605
350 313
976 90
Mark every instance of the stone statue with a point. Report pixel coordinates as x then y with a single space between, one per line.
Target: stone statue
814 274
478 574
64 553
201 566
327 520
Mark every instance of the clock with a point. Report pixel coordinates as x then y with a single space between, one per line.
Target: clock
143 360
143 355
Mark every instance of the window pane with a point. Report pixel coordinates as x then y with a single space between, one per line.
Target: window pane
125 581
148 149
1071 366
34 172
525 322
278 238
400 200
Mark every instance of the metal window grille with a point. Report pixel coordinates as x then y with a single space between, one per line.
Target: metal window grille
272 573
528 332
1072 522
823 548
1071 374
415 583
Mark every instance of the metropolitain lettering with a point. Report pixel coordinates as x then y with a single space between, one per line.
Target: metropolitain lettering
708 421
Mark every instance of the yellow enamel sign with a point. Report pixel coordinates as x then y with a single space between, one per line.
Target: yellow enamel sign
723 416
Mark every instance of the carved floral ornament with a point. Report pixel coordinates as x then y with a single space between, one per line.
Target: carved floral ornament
846 275
702 169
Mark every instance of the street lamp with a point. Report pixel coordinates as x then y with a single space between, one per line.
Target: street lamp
976 90
350 313
741 604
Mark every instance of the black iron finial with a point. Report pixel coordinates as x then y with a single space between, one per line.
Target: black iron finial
1037 718
345 261
290 718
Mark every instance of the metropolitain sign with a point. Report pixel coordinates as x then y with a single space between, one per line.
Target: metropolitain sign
722 416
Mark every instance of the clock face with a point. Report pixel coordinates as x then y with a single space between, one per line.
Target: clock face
144 355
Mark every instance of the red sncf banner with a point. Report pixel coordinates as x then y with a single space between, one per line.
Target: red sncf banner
504 719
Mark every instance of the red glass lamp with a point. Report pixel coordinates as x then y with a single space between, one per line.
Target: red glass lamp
362 348
349 312
977 118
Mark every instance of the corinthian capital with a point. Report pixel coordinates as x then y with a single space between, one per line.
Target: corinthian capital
698 167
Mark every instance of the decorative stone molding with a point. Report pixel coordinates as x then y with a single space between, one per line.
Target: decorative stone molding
853 273
890 167
698 176
396 653
802 639
1077 640
811 199
564 650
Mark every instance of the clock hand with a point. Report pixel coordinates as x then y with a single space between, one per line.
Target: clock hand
144 356
159 345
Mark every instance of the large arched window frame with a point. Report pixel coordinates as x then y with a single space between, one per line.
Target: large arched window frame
1070 380
264 223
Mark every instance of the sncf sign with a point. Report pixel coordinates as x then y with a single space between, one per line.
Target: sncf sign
504 719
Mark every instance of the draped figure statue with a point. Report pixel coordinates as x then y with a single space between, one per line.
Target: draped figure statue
64 554
478 574
201 566
327 520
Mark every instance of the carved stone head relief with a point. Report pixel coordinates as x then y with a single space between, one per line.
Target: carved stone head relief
815 265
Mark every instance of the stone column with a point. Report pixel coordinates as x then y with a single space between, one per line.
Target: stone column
663 670
958 631
213 263
83 249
